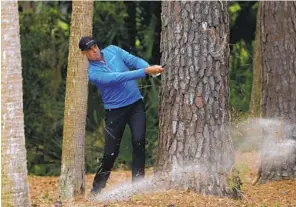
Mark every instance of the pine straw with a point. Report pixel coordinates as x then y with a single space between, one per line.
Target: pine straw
44 192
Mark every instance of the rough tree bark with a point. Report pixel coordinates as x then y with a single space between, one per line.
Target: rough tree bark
73 159
14 185
278 50
194 144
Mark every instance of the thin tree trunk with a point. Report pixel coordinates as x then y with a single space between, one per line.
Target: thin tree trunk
73 159
255 102
14 185
278 49
194 143
256 96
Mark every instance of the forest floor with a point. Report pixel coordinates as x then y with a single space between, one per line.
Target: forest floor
44 191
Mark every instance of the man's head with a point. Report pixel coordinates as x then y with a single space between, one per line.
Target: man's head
89 47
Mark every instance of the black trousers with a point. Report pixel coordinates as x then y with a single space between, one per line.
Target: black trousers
115 123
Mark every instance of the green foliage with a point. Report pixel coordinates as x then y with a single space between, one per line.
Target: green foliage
234 184
243 170
233 10
94 144
44 40
242 34
108 22
241 64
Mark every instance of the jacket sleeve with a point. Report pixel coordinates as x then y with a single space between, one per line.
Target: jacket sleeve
104 78
130 60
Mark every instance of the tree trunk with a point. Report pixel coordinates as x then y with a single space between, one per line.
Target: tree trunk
194 144
73 159
278 49
14 186
255 102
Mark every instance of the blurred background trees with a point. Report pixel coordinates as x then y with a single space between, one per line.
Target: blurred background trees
134 26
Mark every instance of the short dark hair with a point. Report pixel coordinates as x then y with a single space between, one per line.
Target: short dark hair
86 42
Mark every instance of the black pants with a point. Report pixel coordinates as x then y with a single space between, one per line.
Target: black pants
115 122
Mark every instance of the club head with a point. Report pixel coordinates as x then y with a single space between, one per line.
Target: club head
155 75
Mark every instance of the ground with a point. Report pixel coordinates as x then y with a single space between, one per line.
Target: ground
44 191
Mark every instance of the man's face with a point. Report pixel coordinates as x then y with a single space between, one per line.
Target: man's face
93 53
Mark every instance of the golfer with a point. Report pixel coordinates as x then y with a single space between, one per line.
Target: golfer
109 70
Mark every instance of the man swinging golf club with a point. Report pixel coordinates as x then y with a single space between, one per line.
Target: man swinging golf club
109 70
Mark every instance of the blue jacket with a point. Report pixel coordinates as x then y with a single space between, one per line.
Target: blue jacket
113 78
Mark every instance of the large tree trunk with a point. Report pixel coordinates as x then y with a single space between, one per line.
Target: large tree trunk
193 139
14 186
73 159
278 49
255 102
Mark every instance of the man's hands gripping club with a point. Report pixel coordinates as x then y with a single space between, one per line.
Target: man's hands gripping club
154 70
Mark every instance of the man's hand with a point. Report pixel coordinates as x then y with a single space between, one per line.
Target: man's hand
154 70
